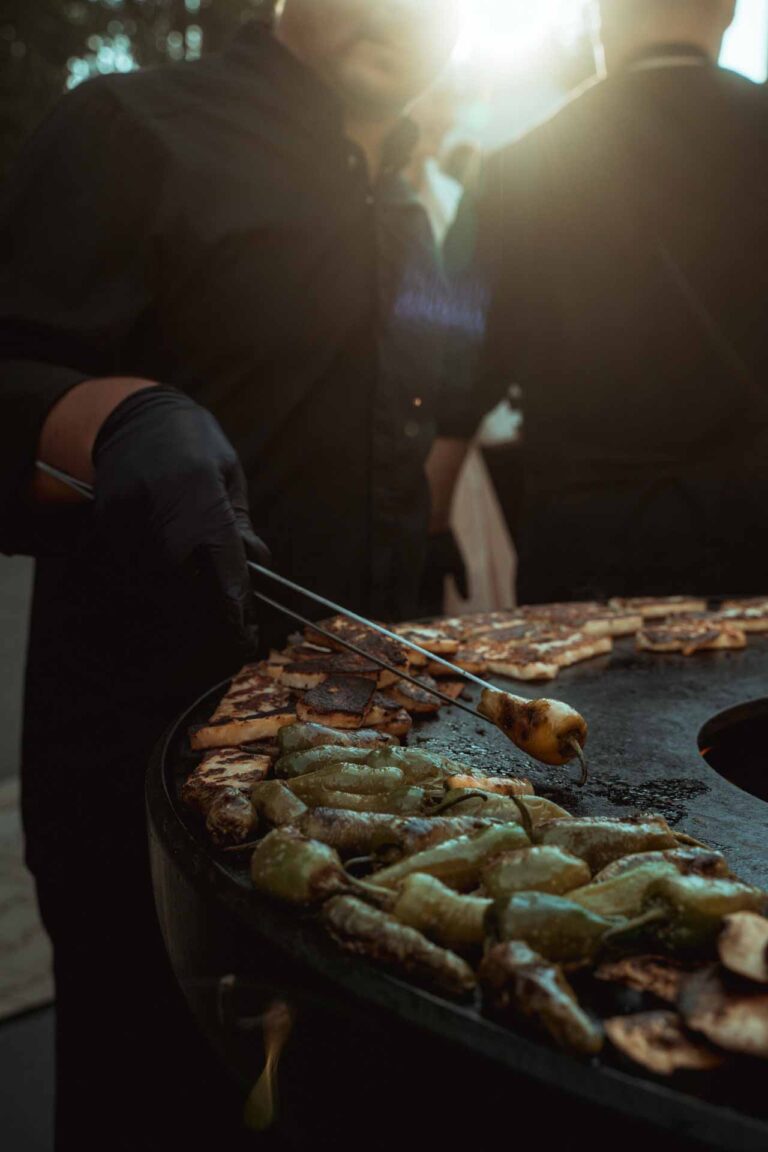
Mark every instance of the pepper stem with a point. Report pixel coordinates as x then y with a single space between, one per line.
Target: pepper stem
690 841
651 917
578 751
459 798
525 816
378 891
253 844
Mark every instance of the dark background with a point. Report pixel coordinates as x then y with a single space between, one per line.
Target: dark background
47 46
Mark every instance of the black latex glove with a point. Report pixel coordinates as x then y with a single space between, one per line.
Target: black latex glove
171 501
444 558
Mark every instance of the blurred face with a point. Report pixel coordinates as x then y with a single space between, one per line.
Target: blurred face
377 54
435 115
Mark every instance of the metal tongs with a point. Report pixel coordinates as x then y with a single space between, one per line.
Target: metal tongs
547 730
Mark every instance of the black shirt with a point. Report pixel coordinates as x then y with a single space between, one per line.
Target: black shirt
210 226
623 245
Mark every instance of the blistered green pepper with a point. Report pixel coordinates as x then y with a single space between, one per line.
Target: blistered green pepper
300 737
459 862
231 818
551 925
518 984
687 861
366 931
444 916
534 870
301 763
289 867
691 908
416 765
358 779
419 766
599 840
467 802
388 837
624 895
275 804
402 801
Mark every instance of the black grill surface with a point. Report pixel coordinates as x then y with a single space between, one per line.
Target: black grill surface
645 714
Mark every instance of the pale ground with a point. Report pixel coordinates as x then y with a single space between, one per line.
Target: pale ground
25 980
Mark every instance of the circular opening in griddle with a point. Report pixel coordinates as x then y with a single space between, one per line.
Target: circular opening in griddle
735 744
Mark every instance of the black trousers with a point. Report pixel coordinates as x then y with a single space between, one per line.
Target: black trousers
133 1074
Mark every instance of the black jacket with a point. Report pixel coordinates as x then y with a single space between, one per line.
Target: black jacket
623 248
210 226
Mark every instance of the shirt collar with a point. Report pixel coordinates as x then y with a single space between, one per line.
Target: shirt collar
399 146
656 56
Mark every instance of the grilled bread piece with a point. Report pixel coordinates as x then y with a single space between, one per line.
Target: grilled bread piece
382 710
396 722
588 617
218 771
657 607
690 636
452 688
480 623
750 615
466 659
432 638
306 674
419 701
255 708
365 638
540 657
339 702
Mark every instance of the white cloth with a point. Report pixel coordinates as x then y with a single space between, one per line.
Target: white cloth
441 196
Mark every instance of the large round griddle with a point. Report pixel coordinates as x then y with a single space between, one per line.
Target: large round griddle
645 714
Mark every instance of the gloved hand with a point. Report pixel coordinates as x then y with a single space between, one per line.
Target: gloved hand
170 499
444 558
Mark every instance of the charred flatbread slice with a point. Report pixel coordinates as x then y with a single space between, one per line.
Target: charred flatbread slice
453 688
518 632
347 630
305 674
543 657
386 715
419 701
254 708
466 659
658 607
589 617
522 663
397 723
430 637
225 769
382 709
481 623
339 702
749 615
690 636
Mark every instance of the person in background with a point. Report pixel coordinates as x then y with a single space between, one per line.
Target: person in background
623 249
463 163
435 116
219 307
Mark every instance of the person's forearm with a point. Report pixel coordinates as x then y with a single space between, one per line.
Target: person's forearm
70 431
444 466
